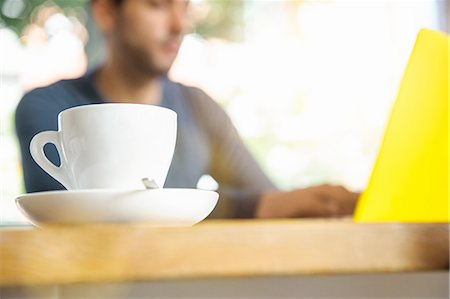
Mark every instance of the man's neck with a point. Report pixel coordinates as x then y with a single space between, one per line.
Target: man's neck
122 85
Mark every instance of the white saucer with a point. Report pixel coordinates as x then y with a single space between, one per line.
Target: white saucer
165 207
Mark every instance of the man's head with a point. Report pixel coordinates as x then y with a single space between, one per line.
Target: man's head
146 34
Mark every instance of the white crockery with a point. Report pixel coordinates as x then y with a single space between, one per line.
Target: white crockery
159 207
109 146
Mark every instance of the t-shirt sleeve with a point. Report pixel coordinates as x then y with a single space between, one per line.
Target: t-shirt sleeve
36 113
241 180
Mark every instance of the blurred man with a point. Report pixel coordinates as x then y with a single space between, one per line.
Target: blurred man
142 40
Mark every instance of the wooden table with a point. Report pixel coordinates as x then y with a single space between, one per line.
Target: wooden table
229 252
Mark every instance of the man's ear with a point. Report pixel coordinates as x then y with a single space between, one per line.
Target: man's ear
104 13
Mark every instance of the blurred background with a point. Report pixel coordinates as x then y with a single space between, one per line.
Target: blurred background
308 84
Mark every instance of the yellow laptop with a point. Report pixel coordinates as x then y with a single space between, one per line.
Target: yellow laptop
409 182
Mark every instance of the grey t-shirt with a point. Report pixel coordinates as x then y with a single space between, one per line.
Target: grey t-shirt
207 142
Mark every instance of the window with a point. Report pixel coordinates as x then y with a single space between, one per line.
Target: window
308 84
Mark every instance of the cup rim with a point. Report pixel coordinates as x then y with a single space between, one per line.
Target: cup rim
103 105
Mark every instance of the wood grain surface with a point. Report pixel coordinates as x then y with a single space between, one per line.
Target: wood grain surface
141 252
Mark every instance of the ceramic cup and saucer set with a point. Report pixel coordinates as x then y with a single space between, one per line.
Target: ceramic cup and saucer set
114 162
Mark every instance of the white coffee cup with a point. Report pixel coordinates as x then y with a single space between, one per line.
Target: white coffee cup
109 146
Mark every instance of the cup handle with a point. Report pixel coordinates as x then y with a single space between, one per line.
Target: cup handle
37 152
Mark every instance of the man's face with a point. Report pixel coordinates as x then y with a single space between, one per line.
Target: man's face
149 33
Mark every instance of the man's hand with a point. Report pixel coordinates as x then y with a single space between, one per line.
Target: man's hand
319 201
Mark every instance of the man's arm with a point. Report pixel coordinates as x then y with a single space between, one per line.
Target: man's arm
246 191
241 180
35 114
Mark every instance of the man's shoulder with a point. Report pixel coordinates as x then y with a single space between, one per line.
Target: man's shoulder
49 100
182 87
195 96
53 91
57 96
201 104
